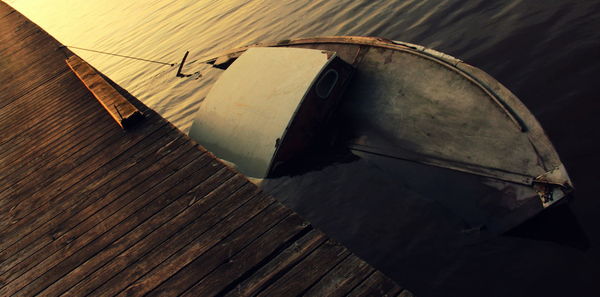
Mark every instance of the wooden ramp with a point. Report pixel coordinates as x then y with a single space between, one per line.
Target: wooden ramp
87 208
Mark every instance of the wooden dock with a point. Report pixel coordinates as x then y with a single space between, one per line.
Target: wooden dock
87 208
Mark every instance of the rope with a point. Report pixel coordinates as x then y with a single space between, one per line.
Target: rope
122 56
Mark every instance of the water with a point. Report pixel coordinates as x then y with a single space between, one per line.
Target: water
546 52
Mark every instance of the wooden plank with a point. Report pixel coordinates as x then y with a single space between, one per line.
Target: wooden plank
75 117
59 239
308 271
16 20
53 121
68 197
34 133
58 151
235 266
42 134
280 264
23 190
167 209
341 279
54 140
69 140
23 35
20 54
124 113
196 220
214 231
73 215
17 169
204 223
114 134
376 285
203 263
95 195
24 109
90 188
55 89
51 116
28 39
125 252
23 85
68 174
16 37
117 217
5 9
31 193
24 79
130 163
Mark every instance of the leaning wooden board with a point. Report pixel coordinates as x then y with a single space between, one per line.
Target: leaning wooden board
124 113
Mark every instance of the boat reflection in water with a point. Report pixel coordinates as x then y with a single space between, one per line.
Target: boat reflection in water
371 129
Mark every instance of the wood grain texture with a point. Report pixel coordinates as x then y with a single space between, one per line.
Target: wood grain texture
124 113
87 208
278 265
342 278
376 284
302 276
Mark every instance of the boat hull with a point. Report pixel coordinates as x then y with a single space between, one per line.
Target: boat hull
422 124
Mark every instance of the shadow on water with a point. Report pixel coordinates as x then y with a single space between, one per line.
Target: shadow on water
427 245
558 224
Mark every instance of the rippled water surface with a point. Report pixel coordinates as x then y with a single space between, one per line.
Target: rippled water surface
546 52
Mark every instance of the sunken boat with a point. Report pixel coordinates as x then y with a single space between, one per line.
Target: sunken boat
348 115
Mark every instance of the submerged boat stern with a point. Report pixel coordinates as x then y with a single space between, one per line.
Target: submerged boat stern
269 106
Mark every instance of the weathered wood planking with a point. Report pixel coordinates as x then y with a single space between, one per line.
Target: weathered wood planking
89 209
124 113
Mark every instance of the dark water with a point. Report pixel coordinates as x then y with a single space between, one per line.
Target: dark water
546 52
